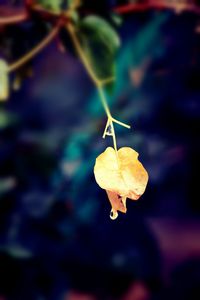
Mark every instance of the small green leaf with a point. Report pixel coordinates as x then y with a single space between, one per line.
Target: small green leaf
100 43
17 251
6 185
57 6
7 119
74 16
74 3
20 75
51 5
117 19
4 80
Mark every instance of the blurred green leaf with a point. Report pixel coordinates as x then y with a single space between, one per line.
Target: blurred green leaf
17 251
21 75
100 43
7 119
74 3
117 19
52 5
57 6
7 184
4 80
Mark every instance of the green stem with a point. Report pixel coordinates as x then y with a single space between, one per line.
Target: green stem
108 113
97 82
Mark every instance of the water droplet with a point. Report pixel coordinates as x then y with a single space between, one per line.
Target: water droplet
113 214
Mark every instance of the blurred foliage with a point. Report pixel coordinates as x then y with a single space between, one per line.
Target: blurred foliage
55 231
52 5
57 6
97 36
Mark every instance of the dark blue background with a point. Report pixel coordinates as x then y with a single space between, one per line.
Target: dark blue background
55 231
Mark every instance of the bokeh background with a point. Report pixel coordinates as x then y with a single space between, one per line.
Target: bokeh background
56 238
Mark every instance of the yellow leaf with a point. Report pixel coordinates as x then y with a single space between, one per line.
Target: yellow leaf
121 175
4 81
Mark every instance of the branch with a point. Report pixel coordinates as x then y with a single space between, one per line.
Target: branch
35 50
12 15
123 9
13 19
177 7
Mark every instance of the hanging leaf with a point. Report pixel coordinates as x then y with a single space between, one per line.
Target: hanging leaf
100 43
4 80
121 175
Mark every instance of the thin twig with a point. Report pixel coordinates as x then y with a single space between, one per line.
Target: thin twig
105 130
13 67
14 19
177 7
121 123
